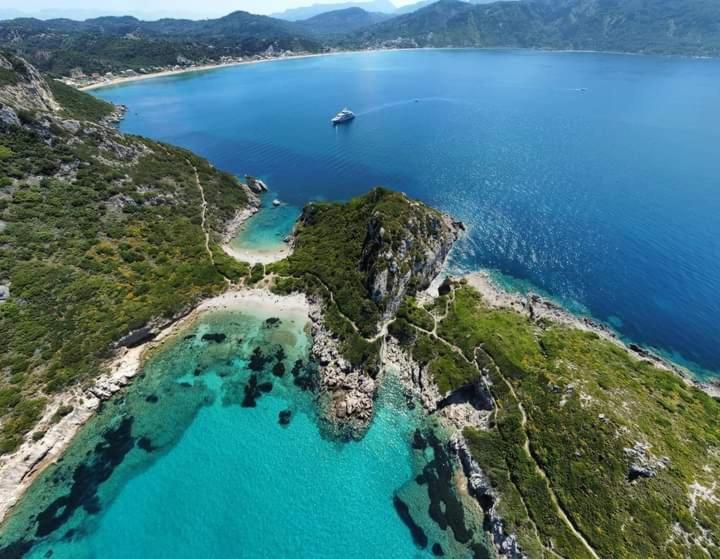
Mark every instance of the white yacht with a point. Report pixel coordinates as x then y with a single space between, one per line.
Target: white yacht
343 116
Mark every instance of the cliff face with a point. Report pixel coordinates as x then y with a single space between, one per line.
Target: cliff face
403 258
22 87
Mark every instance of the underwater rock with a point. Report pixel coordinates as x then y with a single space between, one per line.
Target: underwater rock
403 511
284 417
145 444
272 323
279 369
437 550
87 478
257 360
254 390
218 337
152 398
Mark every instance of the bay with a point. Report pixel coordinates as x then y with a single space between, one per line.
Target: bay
590 177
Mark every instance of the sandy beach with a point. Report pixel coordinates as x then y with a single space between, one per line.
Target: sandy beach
19 469
257 256
205 68
251 256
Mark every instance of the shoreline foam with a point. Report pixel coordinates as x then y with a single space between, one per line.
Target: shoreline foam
21 468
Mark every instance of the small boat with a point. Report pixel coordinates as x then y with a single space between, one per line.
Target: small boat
345 115
276 202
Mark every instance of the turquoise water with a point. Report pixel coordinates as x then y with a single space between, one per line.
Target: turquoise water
184 466
266 230
594 177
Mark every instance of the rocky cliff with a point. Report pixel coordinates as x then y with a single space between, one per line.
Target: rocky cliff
402 258
22 87
360 260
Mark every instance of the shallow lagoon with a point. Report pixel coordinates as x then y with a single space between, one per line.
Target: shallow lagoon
189 463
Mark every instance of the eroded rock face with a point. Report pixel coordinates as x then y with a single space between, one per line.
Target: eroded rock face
407 260
31 92
506 545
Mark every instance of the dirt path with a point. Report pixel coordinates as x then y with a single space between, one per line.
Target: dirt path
203 215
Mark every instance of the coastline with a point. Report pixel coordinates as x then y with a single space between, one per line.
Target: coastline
251 256
537 307
21 468
220 65
216 66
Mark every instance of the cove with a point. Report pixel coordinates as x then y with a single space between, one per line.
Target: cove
215 451
592 177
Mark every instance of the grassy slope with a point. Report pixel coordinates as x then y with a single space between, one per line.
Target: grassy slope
587 400
79 105
92 254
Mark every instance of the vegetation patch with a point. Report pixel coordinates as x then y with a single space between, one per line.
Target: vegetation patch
589 406
79 105
103 234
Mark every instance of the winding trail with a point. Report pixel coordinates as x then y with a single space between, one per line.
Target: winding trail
203 215
559 510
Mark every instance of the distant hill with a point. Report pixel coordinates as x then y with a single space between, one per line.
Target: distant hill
118 43
417 5
58 46
306 12
342 21
690 27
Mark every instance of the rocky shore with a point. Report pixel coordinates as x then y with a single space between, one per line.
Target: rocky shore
537 308
345 393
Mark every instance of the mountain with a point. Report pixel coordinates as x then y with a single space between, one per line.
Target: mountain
417 5
109 44
644 26
342 21
303 13
119 43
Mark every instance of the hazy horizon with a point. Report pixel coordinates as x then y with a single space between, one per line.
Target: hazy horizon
83 9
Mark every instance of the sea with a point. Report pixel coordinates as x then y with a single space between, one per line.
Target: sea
589 178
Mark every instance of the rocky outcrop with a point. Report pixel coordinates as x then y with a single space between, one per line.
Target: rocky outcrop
255 185
27 90
8 117
506 545
345 393
408 259
642 463
116 116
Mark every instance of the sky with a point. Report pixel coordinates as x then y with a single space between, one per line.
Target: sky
167 8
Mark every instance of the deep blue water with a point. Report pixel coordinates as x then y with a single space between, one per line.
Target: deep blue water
595 177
